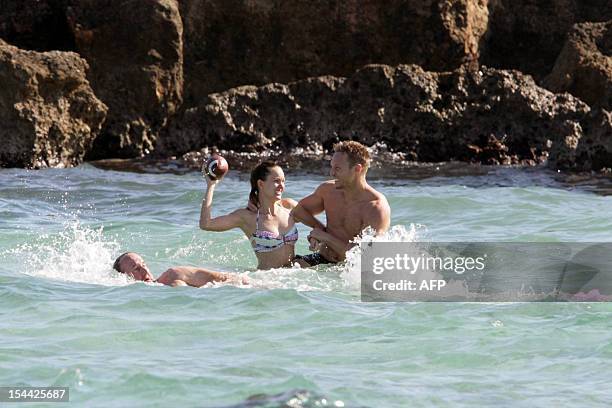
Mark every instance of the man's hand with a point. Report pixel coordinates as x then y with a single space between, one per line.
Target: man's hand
251 207
315 245
335 248
316 238
318 234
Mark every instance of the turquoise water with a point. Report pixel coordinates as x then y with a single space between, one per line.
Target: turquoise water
300 337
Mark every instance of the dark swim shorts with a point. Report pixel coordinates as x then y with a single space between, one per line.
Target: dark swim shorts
313 259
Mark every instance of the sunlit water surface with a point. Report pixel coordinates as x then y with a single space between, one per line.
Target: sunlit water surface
295 336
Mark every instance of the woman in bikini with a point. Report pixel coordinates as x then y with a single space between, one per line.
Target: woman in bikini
269 225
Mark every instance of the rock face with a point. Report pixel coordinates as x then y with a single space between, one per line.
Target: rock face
254 42
134 49
156 61
38 25
528 35
592 151
491 116
584 67
49 115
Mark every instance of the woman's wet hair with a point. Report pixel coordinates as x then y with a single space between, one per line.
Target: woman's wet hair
260 172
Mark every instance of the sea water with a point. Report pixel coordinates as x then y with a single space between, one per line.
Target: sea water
293 337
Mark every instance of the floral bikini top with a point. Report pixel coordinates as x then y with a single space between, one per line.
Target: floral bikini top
266 241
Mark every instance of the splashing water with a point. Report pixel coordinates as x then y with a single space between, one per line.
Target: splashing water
325 278
351 272
85 255
76 254
113 345
296 278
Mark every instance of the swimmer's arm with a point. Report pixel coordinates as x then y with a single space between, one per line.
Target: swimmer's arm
289 203
335 244
308 207
190 276
307 219
199 277
234 219
378 217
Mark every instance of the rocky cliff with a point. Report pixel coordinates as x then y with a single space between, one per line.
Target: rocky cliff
255 74
49 114
488 116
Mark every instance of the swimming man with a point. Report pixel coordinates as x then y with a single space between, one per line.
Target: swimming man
134 266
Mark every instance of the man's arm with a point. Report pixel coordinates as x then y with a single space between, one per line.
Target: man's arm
178 282
379 217
191 276
288 203
308 207
335 244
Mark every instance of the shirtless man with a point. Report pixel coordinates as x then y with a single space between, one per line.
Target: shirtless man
134 266
350 205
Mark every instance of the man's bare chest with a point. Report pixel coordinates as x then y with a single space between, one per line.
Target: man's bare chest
344 216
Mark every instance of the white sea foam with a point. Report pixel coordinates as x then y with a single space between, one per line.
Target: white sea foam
333 277
76 254
351 273
296 278
81 254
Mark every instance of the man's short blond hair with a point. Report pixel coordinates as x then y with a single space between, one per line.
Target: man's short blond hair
356 152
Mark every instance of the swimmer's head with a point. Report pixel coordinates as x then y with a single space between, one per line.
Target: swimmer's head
267 181
134 266
349 163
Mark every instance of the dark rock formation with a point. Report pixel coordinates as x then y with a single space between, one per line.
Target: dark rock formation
237 42
584 67
49 115
490 116
444 110
39 25
528 35
134 49
590 152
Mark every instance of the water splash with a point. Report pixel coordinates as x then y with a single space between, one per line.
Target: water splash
332 278
83 254
296 278
76 254
351 273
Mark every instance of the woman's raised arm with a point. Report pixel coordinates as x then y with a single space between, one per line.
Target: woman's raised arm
235 219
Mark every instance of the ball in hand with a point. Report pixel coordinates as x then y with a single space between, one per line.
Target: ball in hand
215 167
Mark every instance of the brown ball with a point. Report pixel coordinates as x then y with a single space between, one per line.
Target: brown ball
215 167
